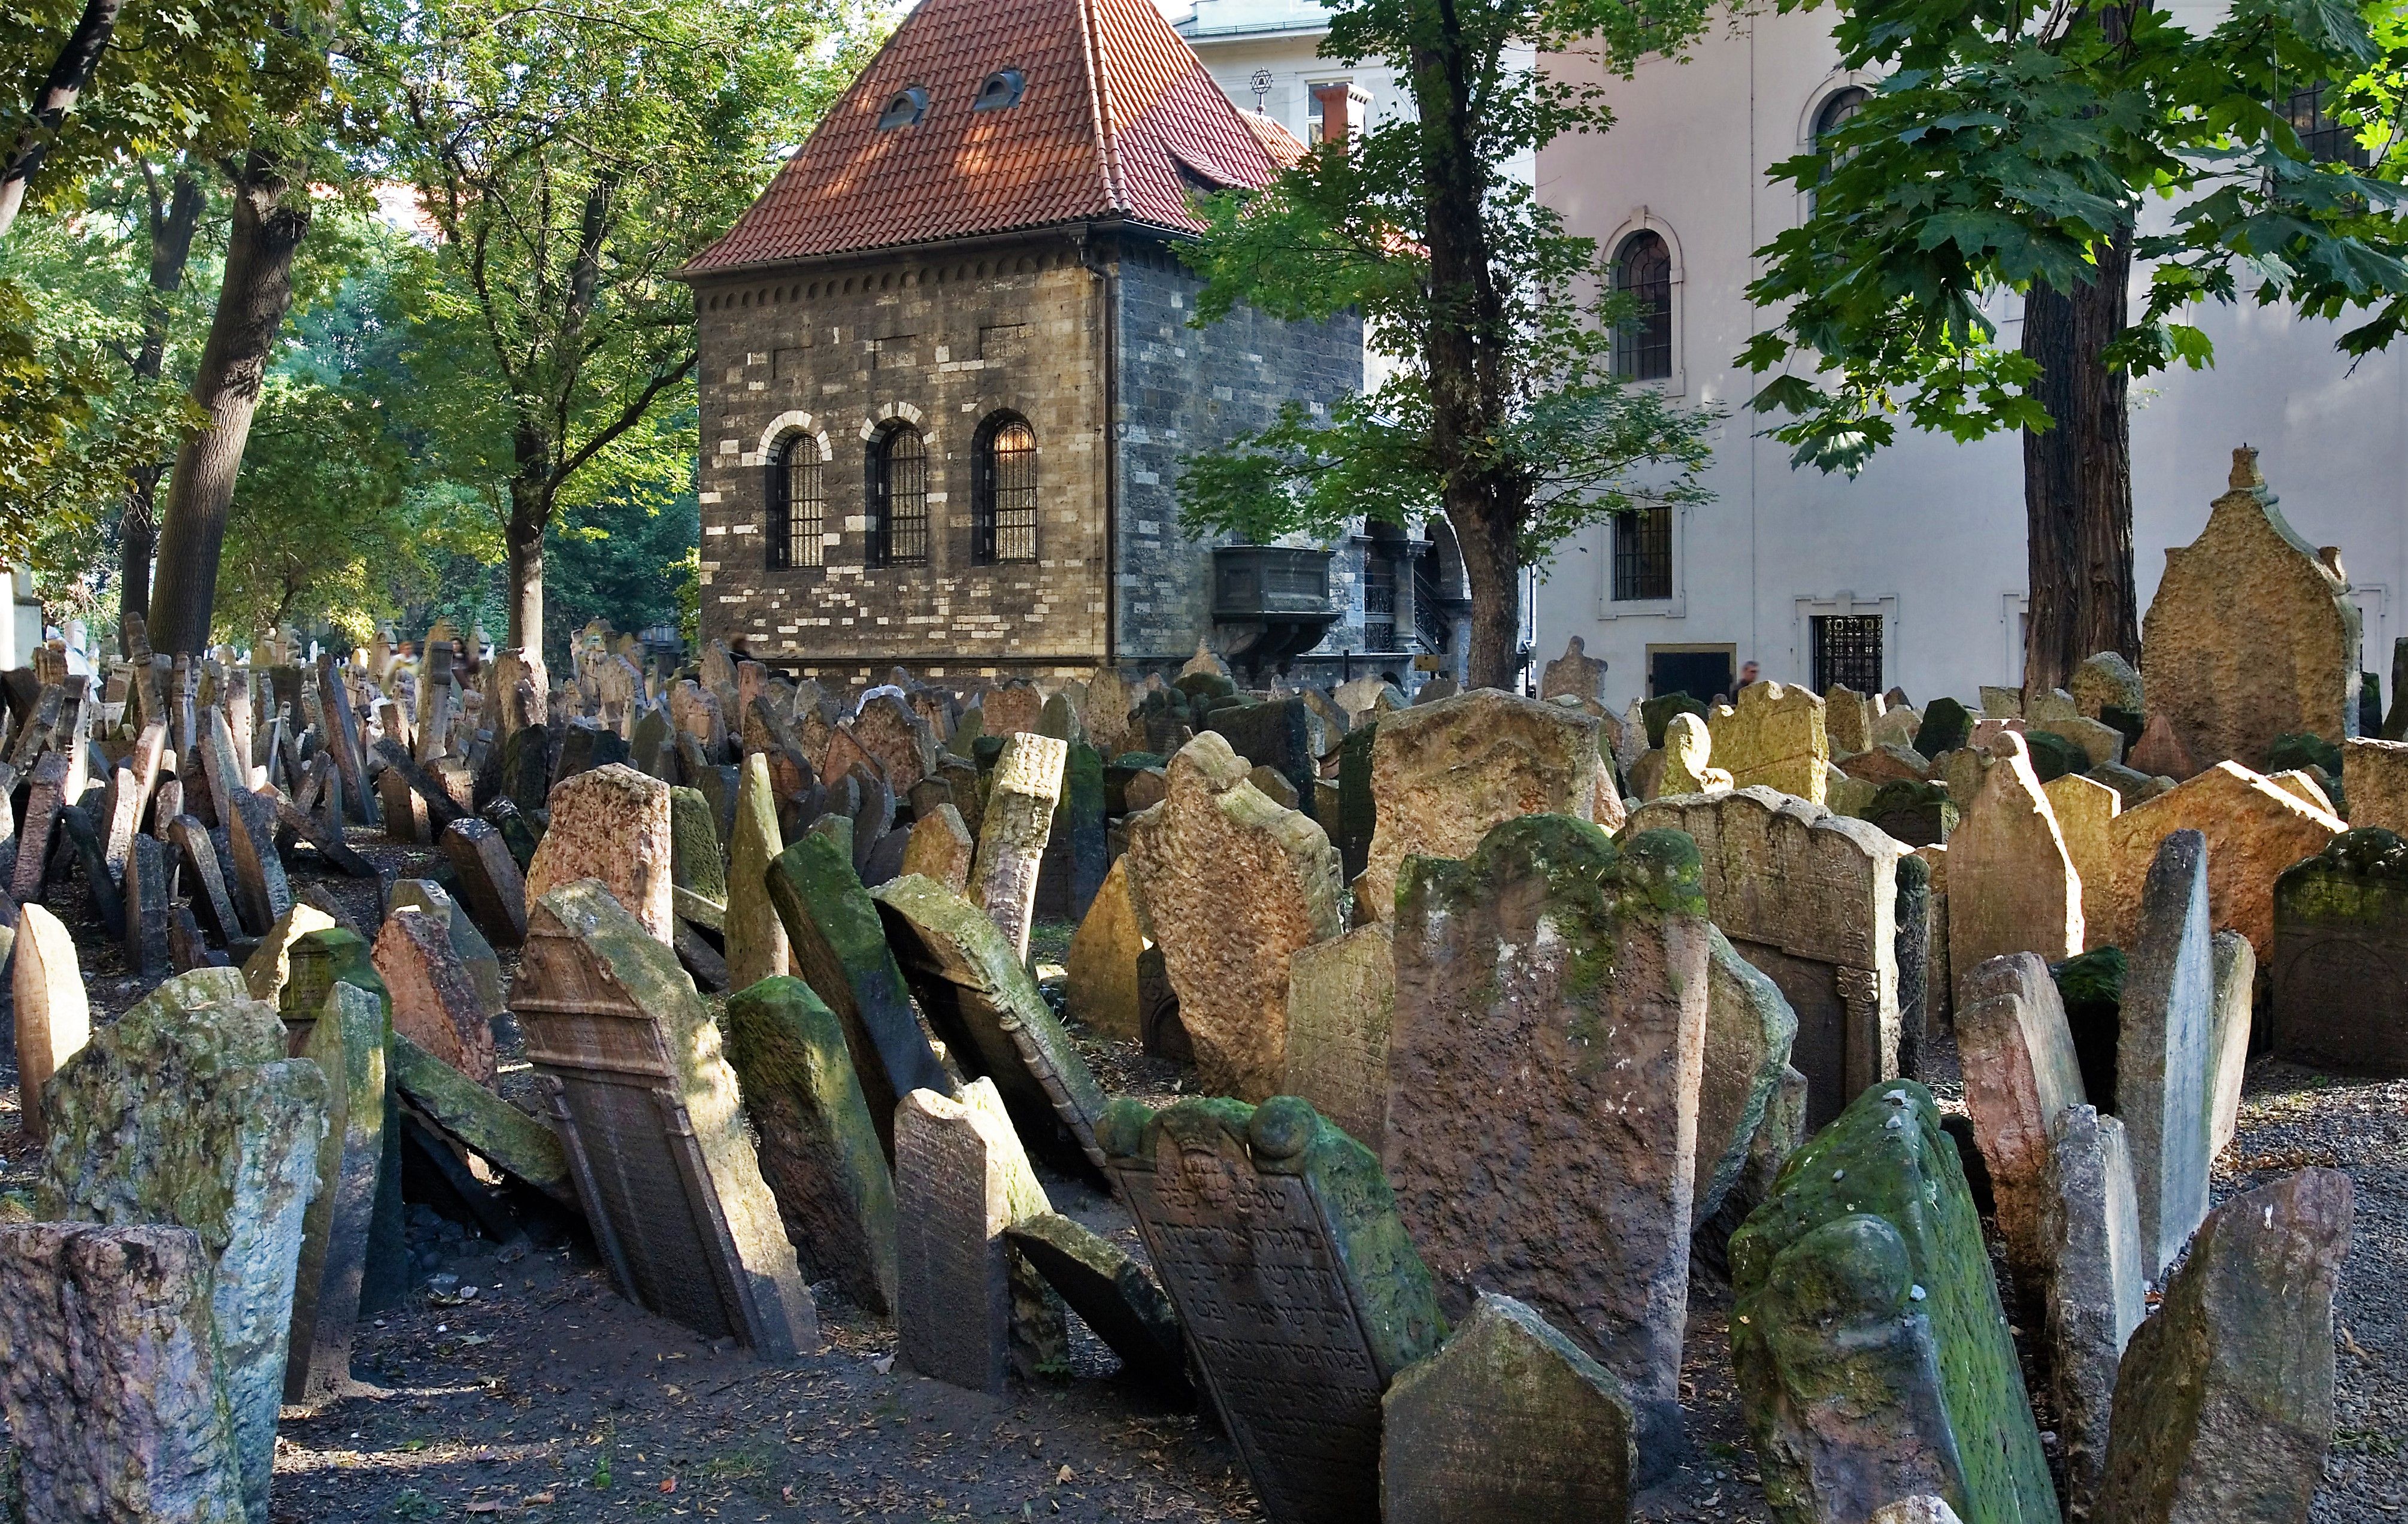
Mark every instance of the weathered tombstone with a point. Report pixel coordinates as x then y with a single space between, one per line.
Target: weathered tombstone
476 955
837 945
1510 1423
1024 788
1749 1032
901 740
1101 990
1573 971
2011 884
968 1309
2236 984
1872 1354
2255 829
2020 1073
2105 681
488 878
819 1149
1442 774
1268 1220
1275 734
1112 1295
2095 1285
1810 899
462 1113
45 797
1847 721
2224 1404
2341 961
978 1000
940 848
1077 850
266 971
1341 999
53 1015
1774 736
2086 810
1012 708
754 937
435 1004
1231 885
1688 746
632 1061
1944 726
146 1120
2251 633
2164 1057
347 1045
611 823
1575 673
405 812
696 861
145 907
109 1386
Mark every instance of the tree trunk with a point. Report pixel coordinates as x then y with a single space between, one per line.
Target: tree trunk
69 72
174 220
530 511
1492 574
2078 480
252 304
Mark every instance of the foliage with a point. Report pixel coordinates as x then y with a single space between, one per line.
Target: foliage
2007 143
1560 439
624 561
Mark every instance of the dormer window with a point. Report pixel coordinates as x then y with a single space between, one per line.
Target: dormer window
1002 88
905 108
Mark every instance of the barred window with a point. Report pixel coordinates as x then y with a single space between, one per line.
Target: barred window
898 498
1848 652
797 504
1642 554
1003 497
1643 269
2326 139
1832 115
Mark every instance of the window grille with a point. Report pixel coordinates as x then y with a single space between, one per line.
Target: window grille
1003 511
2326 139
1643 269
798 505
1848 653
1642 556
898 498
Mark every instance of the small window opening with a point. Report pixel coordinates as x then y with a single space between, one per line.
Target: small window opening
1002 89
905 108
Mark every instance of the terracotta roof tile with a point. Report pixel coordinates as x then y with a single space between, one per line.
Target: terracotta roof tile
1286 150
1118 118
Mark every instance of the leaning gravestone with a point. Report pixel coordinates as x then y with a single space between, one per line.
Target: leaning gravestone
1101 990
53 1013
146 906
109 1388
2252 633
755 939
476 956
654 1125
2021 1073
1279 1244
1542 1087
1341 999
1232 886
611 823
1510 1423
2011 884
1442 774
1112 1295
347 1045
1872 1355
979 1000
2164 1057
1774 738
2095 1285
819 1147
435 1004
2341 961
1022 791
187 1110
2224 1405
1749 1032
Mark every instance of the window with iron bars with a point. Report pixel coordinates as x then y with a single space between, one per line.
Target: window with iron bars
1642 554
1429 622
1847 652
1379 598
1003 500
2326 139
898 498
798 505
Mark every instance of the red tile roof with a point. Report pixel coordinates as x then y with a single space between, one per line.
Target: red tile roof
1118 119
1286 150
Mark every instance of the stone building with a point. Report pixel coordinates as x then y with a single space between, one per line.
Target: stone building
946 377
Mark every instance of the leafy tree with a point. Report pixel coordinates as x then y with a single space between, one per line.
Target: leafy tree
1503 410
622 560
2010 151
570 161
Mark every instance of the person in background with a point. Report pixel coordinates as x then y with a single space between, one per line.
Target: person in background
1749 674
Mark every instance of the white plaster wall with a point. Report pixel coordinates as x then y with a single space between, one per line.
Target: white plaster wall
1931 533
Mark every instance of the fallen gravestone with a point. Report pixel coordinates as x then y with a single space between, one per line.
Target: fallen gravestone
462 1111
1112 1295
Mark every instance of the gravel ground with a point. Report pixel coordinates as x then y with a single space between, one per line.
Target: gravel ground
543 1393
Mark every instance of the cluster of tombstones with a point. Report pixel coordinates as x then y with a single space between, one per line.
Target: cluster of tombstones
1493 1047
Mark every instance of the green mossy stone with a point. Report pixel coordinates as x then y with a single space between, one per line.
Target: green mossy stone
2301 750
1658 713
2359 880
481 1121
2054 755
1206 686
697 863
1947 726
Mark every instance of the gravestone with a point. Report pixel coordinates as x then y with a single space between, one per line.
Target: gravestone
434 1004
755 939
1012 708
347 1045
2224 1404
145 907
631 1061
2339 966
1573 1195
837 945
1357 809
968 1308
1749 1032
1442 774
1113 1294
1847 721
2255 829
2095 1285
1268 1219
1341 1001
1575 673
940 848
1773 737
696 863
1101 990
1872 1355
476 955
2086 810
2021 1073
490 882
187 1110
109 1389
464 1114
265 972
1945 727
2251 634
2164 1057
2011 884
1276 734
405 812
900 739
1688 751
979 1001
44 799
53 1015
261 891
1510 1423
2376 775
611 823
1022 791
2106 680
2236 985
820 1150
1810 899
1231 885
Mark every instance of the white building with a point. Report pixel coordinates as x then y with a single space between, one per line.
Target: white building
1264 55
1919 561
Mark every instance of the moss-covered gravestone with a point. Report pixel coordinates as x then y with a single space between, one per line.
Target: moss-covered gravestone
838 948
187 1110
1277 1239
697 865
2341 956
347 1045
654 1128
1113 1294
1945 727
316 962
1543 1077
819 1145
1872 1354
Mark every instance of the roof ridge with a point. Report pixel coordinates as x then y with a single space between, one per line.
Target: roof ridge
1099 91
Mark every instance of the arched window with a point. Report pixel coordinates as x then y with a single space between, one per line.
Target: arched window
797 504
903 108
1643 269
898 498
1001 90
1829 118
1003 493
